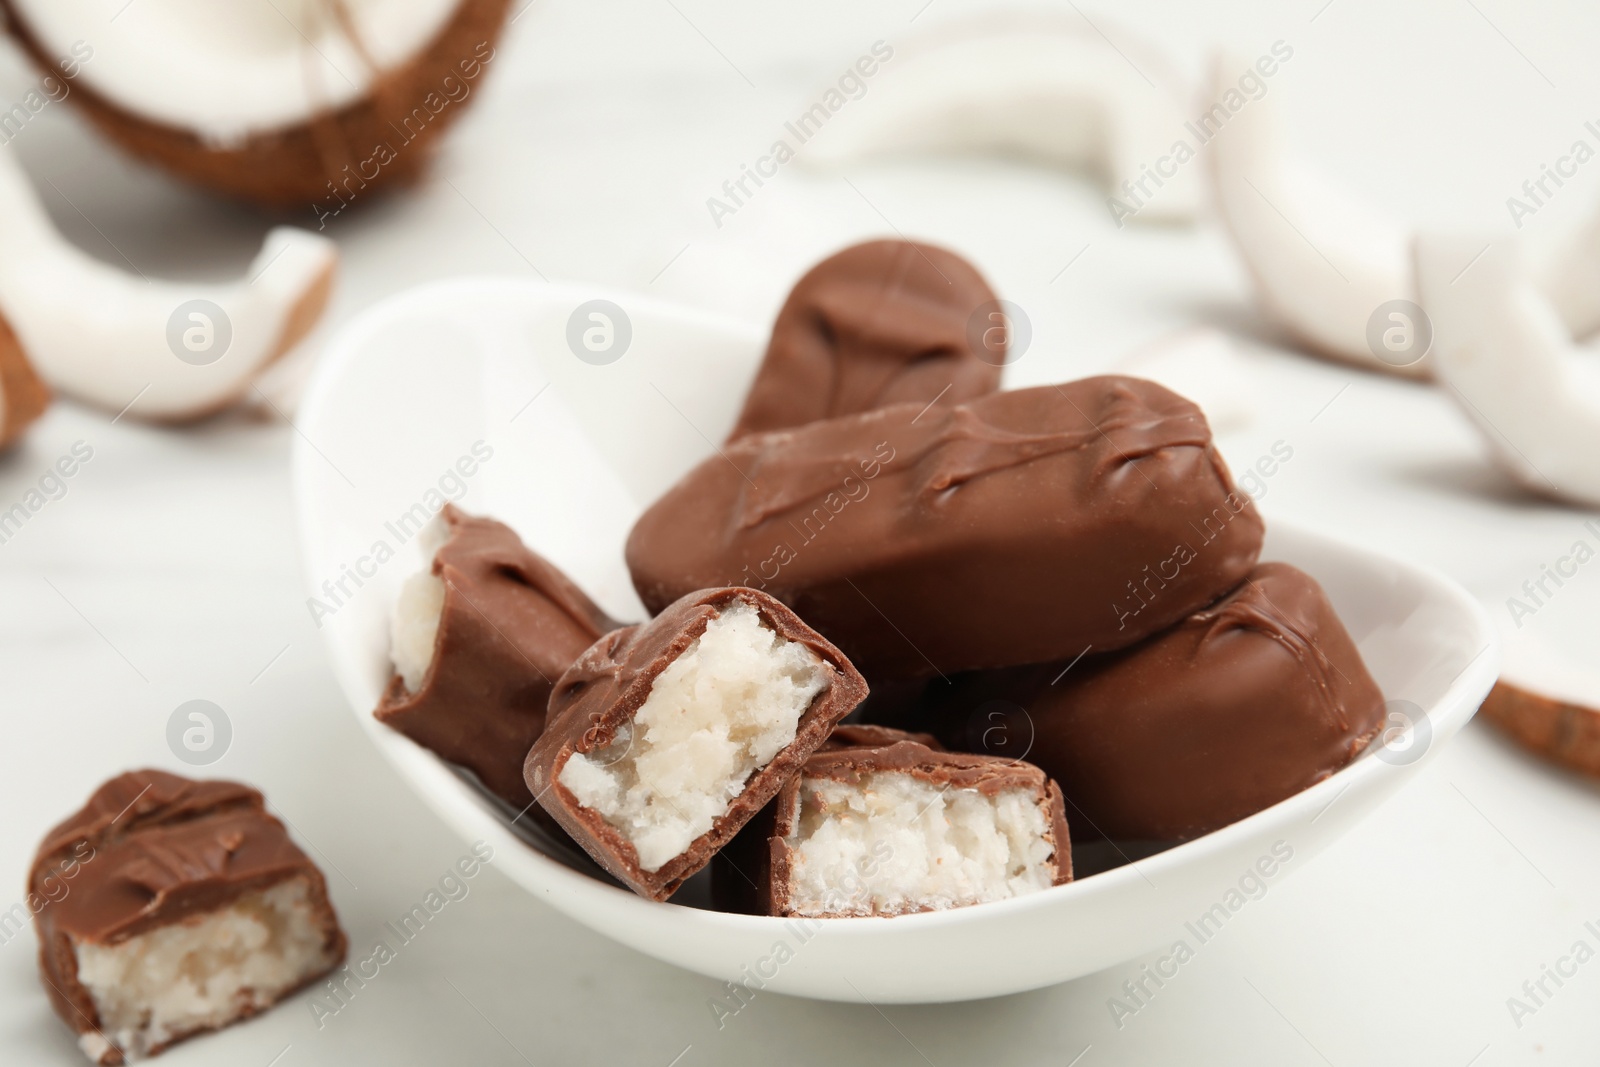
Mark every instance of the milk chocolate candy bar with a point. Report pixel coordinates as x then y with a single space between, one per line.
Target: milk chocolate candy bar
168 907
1022 527
880 323
881 822
665 738
1242 704
479 641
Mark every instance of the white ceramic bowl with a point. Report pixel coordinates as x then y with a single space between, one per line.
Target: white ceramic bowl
409 387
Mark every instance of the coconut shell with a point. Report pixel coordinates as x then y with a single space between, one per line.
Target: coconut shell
292 167
23 394
1563 733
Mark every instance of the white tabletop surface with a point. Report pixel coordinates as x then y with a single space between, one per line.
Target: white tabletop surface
169 571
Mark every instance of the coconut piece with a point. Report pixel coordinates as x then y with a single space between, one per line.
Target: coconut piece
1049 90
285 103
664 739
1322 263
882 822
174 351
23 396
1547 703
1504 356
1571 278
166 907
478 639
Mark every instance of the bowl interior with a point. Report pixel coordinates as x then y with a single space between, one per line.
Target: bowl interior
474 391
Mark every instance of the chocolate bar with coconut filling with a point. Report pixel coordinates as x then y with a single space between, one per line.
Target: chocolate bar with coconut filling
880 822
1242 704
186 908
479 639
665 738
884 322
1023 527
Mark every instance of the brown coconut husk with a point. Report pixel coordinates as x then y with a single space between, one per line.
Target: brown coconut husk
302 318
299 166
23 394
1563 733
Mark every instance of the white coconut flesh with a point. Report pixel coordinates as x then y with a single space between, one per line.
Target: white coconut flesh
414 622
105 335
224 71
1504 356
1323 262
717 714
204 972
1044 93
414 627
895 843
1535 667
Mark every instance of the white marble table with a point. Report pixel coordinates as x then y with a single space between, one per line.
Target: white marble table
169 571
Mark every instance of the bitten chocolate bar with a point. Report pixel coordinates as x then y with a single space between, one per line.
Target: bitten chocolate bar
188 909
1022 527
479 640
881 822
1240 705
879 323
665 738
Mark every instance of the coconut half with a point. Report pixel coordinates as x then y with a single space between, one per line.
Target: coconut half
286 103
1322 263
1504 356
159 350
1051 91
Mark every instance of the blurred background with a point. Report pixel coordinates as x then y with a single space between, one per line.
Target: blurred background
169 571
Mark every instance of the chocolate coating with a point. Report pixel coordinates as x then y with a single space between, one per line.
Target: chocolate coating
1022 527
1239 706
607 685
151 849
512 623
753 873
879 323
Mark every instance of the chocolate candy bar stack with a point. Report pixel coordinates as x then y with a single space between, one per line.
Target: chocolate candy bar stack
884 519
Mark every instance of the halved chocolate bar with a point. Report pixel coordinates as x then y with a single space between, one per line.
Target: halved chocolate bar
479 640
882 822
186 908
665 738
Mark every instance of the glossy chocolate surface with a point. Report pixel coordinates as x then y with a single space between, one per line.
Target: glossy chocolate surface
879 323
1026 526
1239 706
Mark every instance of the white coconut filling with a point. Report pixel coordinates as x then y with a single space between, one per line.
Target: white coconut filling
414 625
202 973
718 713
895 843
